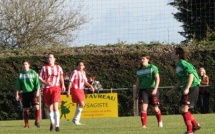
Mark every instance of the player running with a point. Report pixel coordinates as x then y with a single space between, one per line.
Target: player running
146 90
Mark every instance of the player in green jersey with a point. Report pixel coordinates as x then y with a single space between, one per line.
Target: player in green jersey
189 80
28 85
146 90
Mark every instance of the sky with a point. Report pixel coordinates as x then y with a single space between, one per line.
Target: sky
129 21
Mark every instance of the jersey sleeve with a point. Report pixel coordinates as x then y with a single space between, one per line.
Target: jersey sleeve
72 76
37 82
155 70
42 73
60 71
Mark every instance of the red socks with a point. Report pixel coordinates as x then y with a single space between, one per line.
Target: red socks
158 116
26 117
143 118
194 122
187 119
37 115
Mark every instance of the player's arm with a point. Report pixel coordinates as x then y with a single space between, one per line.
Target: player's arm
137 84
68 90
157 81
189 82
37 85
89 85
17 95
18 91
169 92
62 83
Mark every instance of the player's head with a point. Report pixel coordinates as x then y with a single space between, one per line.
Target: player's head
145 59
178 53
80 65
26 65
51 59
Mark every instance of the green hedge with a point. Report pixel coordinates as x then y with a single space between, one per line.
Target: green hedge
112 70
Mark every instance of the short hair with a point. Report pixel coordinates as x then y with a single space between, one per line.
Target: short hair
26 61
182 54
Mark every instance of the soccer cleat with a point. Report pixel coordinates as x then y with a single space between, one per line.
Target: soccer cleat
188 133
57 129
51 127
195 128
76 122
160 124
26 126
144 126
37 124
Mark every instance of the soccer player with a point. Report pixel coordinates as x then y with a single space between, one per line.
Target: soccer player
28 85
189 80
147 83
78 80
51 76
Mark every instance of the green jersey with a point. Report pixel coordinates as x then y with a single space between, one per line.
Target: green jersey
27 81
146 76
183 69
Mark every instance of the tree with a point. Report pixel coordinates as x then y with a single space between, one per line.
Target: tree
197 18
28 24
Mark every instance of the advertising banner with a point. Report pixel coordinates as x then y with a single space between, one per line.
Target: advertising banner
97 105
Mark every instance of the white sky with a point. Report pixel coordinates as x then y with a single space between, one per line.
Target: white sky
129 21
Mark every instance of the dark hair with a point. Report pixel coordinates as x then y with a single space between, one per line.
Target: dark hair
51 53
182 54
147 57
26 61
77 64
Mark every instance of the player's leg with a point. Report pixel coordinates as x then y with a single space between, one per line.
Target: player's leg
78 98
144 115
188 102
55 100
36 105
144 100
47 98
26 105
79 109
154 101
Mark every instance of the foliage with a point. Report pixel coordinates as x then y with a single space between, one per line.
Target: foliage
197 17
114 67
31 24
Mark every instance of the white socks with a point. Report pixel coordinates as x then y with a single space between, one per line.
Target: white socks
51 117
77 115
55 118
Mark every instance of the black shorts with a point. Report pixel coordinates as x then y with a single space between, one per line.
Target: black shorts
191 98
29 99
146 97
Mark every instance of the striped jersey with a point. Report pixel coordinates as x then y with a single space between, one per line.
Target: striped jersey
146 76
78 78
51 74
27 81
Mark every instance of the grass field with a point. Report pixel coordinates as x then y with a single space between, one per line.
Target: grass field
173 124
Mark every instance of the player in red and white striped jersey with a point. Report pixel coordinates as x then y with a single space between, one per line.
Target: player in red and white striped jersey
78 80
51 76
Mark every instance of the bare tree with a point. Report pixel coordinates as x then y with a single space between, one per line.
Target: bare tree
28 24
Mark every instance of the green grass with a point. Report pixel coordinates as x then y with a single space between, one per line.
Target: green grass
173 124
